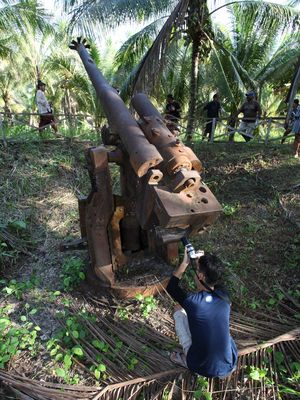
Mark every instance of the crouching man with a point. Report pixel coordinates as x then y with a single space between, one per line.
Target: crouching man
202 320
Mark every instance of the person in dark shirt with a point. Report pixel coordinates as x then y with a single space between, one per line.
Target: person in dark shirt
172 114
289 124
202 320
251 110
213 109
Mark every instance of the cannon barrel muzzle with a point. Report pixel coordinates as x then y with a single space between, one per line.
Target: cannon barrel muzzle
142 154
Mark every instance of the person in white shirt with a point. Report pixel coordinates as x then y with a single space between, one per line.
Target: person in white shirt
44 108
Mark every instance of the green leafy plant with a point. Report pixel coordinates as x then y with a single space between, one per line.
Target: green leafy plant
201 391
17 289
256 373
122 313
99 371
72 273
254 304
229 209
147 304
132 362
15 338
18 225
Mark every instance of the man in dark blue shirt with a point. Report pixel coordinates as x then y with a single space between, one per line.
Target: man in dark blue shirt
202 320
213 109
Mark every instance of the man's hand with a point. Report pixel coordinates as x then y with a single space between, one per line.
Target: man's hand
186 258
185 262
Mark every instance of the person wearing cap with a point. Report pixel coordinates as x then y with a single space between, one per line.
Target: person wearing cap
172 114
44 108
251 110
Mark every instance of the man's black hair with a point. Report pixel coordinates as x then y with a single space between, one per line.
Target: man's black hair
212 268
296 101
215 95
170 96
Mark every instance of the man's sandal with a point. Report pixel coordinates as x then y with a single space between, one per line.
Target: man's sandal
178 358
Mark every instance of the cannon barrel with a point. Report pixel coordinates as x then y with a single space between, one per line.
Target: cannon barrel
176 156
142 154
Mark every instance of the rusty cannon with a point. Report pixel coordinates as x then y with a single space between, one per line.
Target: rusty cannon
161 195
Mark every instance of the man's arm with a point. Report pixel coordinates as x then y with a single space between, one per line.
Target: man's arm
173 287
240 110
259 110
183 266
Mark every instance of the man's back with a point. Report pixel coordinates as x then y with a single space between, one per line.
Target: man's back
213 352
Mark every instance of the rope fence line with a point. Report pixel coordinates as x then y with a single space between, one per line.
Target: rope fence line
220 127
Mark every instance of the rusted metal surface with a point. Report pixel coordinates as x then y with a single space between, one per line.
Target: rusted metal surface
118 257
175 154
128 292
99 210
143 155
160 184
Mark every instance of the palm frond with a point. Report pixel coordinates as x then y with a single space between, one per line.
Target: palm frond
112 13
22 14
156 375
280 68
152 63
135 47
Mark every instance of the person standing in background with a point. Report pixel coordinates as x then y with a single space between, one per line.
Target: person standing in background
289 125
172 114
296 131
44 109
213 109
251 110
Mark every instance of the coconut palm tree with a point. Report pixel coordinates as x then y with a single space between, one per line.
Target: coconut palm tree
17 21
189 20
252 55
15 17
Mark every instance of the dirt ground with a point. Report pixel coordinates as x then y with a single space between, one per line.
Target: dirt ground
257 237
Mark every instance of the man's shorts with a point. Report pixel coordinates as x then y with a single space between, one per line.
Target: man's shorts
247 127
46 119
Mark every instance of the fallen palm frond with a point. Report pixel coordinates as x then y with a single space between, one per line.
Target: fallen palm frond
258 373
244 381
137 366
13 241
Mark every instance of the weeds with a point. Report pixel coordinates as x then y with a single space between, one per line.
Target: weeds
229 210
147 304
122 313
16 337
17 289
72 273
201 393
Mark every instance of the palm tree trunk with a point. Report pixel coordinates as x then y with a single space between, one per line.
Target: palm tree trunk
193 90
8 118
